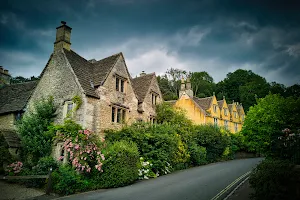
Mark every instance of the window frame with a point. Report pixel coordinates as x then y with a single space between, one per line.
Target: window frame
118 114
215 108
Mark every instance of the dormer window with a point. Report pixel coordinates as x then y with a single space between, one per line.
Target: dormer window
215 108
235 114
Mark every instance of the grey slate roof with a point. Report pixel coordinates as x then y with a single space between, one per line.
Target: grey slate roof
203 102
221 103
141 85
90 74
14 97
103 67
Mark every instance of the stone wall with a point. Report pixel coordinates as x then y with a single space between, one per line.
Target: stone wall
148 107
59 81
7 121
109 96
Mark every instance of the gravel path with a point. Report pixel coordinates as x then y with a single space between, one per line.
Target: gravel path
12 191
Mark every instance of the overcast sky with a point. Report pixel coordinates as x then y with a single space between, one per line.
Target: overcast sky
217 36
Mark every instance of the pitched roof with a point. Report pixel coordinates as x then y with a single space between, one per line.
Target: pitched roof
141 85
14 97
203 102
83 70
221 103
230 107
90 73
103 67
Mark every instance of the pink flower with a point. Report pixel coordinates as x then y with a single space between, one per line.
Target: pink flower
102 156
76 147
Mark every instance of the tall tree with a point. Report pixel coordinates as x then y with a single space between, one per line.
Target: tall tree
243 86
293 90
203 84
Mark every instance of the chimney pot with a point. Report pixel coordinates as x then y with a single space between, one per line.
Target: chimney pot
5 71
63 22
143 73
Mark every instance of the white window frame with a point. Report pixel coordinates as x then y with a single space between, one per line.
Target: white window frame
66 113
216 121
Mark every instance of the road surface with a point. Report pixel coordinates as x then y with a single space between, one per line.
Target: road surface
198 183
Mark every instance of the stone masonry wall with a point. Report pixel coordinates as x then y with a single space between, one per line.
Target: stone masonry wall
59 81
7 122
109 95
148 108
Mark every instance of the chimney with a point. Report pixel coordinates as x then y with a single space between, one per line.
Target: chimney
4 76
63 35
188 86
142 74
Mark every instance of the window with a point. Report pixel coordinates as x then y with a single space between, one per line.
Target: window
118 114
235 114
117 84
154 98
215 108
152 120
215 121
68 109
120 84
243 117
235 127
226 124
226 111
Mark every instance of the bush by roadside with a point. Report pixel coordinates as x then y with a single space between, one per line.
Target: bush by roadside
275 180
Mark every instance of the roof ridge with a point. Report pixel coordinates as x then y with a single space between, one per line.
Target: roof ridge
152 74
117 54
22 83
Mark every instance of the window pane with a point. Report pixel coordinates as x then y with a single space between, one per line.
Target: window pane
70 107
113 114
122 86
119 115
117 84
124 116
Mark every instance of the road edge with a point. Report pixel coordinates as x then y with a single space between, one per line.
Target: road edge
229 189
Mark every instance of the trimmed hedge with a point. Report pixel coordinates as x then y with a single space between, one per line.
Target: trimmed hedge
198 154
121 166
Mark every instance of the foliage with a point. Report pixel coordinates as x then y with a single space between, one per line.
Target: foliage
5 156
165 113
14 168
121 166
213 139
145 171
158 143
243 86
78 101
21 79
82 146
238 142
198 154
274 180
35 139
264 120
67 181
203 84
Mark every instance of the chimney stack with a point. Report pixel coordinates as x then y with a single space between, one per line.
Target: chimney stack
4 76
142 74
1 69
63 36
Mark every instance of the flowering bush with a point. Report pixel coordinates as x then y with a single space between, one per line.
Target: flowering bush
83 151
145 170
14 168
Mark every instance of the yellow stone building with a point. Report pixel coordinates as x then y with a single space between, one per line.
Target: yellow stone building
208 110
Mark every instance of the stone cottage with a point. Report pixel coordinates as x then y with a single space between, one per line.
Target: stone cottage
98 94
13 102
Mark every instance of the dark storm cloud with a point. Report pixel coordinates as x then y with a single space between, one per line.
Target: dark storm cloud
213 35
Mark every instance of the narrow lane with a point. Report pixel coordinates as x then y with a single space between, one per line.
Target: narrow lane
198 183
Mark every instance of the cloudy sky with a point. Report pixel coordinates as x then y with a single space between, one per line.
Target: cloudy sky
217 36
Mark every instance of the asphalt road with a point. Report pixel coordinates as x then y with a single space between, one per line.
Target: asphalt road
199 183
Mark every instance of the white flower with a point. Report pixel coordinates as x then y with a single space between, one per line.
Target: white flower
146 177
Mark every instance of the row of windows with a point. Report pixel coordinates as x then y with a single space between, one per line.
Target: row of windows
226 124
226 112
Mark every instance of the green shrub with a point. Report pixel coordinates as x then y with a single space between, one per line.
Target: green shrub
198 154
33 128
213 139
121 166
273 180
5 156
68 181
42 168
158 144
